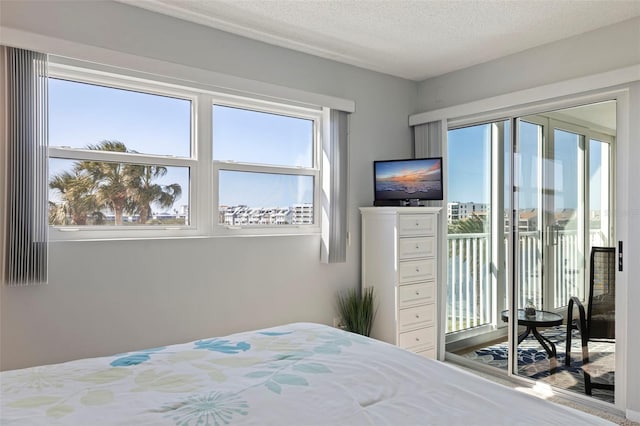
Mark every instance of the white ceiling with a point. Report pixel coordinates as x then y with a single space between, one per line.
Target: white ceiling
413 39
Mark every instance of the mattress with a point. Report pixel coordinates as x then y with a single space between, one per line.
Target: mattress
295 374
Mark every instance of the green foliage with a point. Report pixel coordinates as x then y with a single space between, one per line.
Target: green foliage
76 189
143 191
94 185
471 225
357 310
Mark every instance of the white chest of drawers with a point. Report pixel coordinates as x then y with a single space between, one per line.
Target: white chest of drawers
400 260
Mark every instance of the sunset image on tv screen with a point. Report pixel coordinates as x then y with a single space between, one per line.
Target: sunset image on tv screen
409 179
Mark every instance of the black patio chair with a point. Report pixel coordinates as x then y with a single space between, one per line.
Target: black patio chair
598 322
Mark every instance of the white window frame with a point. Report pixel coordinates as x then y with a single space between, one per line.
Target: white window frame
316 116
203 176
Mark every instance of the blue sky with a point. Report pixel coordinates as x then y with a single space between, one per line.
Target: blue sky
283 141
468 164
82 114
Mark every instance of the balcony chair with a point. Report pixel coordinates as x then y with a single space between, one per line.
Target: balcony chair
598 323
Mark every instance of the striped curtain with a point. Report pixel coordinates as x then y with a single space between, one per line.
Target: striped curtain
25 174
427 140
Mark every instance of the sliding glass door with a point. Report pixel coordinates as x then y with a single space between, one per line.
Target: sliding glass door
555 167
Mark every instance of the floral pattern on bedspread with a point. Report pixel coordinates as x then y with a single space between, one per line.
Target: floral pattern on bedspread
207 382
297 374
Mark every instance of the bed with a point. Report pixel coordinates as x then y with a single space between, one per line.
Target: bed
295 374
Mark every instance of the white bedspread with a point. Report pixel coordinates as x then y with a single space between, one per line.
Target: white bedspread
297 374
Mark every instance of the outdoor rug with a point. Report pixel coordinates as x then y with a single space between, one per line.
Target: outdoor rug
533 361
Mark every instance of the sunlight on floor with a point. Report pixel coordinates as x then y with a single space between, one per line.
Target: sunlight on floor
541 390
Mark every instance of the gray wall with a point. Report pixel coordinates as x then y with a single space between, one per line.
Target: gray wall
112 296
606 49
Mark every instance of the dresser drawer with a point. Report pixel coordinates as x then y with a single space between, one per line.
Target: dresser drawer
413 294
421 338
410 248
419 316
417 270
418 224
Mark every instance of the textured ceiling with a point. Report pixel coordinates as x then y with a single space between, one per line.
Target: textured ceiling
414 39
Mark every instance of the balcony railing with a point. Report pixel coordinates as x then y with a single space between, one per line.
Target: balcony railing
469 290
472 293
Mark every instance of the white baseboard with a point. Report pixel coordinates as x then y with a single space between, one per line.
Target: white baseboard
633 415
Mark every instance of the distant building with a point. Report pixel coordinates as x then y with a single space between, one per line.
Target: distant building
528 220
302 214
298 214
460 211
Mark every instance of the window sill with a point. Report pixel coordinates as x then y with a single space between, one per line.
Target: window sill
57 235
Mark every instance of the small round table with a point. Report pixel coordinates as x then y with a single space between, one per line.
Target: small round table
541 319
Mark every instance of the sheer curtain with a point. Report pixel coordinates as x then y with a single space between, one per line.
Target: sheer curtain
335 155
25 145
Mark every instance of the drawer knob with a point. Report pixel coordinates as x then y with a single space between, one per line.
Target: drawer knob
417 247
417 293
417 269
417 223
417 316
417 339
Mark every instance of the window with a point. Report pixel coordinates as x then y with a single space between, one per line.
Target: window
266 167
119 157
127 160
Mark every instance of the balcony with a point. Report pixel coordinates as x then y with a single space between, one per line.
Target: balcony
473 296
476 295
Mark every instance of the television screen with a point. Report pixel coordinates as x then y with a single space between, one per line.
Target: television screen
414 179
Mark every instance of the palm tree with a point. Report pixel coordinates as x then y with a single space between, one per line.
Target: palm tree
58 214
143 192
110 179
76 189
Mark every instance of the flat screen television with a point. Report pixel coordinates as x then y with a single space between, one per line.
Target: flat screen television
406 182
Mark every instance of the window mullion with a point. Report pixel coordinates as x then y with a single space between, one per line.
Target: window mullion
83 75
118 157
244 167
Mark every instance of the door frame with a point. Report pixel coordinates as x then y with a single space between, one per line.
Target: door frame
547 98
